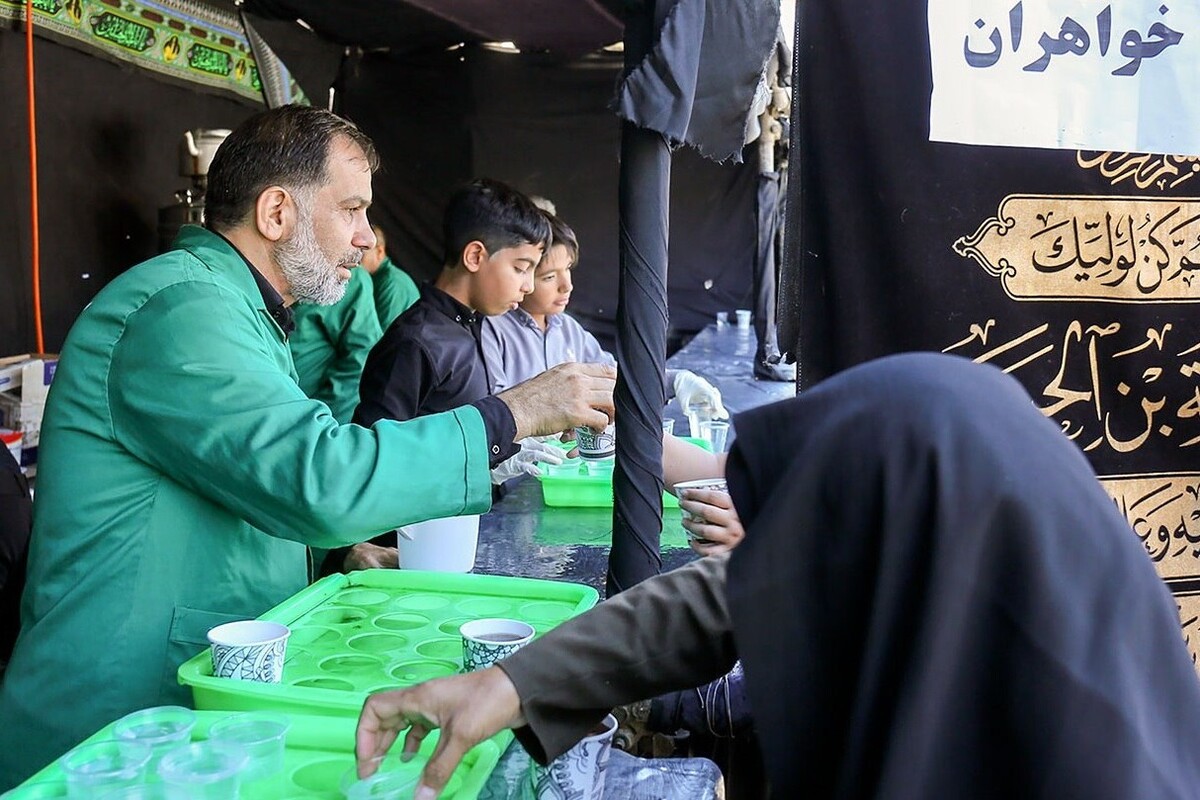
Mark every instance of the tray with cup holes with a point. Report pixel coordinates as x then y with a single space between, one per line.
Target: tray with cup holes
579 483
317 763
365 632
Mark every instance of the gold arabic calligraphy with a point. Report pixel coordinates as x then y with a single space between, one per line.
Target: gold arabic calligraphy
1120 249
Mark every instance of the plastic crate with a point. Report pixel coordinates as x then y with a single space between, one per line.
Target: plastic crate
319 752
378 629
586 489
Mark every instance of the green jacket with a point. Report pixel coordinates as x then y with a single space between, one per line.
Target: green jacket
330 345
182 473
395 292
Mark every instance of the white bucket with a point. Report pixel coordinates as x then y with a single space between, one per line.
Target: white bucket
440 545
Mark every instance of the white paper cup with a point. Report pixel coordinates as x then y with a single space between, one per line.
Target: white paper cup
249 650
577 773
440 545
486 641
593 445
743 318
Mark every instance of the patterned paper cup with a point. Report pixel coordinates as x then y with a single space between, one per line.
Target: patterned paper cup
249 650
486 641
594 445
577 773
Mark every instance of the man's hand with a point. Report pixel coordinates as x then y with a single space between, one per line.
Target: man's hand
561 398
370 556
468 709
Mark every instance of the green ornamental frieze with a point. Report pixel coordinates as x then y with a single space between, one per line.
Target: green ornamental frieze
183 39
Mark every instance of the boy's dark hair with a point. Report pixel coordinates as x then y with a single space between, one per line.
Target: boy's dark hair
493 213
286 146
561 234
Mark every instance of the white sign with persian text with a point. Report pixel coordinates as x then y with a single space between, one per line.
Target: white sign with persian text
1119 75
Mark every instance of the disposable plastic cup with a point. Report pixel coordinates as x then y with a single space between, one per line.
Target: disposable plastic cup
205 770
384 786
743 318
93 769
486 641
602 467
148 791
715 433
722 319
668 426
570 467
36 791
260 734
161 728
249 650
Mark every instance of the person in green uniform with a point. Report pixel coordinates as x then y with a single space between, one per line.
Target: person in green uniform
395 291
331 343
183 472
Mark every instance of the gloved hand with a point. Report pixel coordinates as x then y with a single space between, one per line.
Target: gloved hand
691 389
526 460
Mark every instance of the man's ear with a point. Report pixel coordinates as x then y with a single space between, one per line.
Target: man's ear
275 213
473 255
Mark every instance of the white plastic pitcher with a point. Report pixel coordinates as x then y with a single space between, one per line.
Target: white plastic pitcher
440 545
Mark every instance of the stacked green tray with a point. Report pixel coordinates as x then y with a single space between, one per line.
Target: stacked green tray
319 755
368 631
588 488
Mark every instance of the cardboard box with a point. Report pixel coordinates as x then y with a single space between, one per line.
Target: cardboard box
24 383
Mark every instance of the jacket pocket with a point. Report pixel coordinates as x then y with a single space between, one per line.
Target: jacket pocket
190 626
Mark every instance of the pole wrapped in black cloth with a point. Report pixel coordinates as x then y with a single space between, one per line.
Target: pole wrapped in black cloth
692 70
644 201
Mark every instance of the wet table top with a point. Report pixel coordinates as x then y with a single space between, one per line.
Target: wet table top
524 537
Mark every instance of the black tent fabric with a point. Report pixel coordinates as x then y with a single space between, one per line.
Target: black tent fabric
1069 269
693 69
564 27
697 84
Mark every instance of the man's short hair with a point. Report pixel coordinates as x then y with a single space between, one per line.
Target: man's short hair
286 146
561 234
493 213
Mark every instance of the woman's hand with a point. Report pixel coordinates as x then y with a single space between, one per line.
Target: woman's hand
711 521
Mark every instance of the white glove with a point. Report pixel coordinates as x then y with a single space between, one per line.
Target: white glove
525 462
691 390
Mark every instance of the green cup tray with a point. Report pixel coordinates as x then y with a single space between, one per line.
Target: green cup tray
379 629
319 753
587 490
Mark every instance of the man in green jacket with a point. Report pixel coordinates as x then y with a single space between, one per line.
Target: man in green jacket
395 291
182 471
331 343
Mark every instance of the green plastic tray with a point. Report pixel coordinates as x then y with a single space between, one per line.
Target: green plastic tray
319 752
585 490
379 629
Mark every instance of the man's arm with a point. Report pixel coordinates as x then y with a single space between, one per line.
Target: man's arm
670 632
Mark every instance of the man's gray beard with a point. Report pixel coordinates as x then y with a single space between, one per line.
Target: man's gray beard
309 272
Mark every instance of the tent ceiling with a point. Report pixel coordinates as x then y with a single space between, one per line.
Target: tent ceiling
565 27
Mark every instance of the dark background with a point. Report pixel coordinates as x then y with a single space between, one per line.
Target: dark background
108 138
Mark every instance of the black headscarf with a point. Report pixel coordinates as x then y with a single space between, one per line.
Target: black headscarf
936 599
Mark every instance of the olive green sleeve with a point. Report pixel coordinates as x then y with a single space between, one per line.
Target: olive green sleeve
667 633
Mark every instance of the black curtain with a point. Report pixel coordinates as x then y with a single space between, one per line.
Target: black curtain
108 138
544 126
